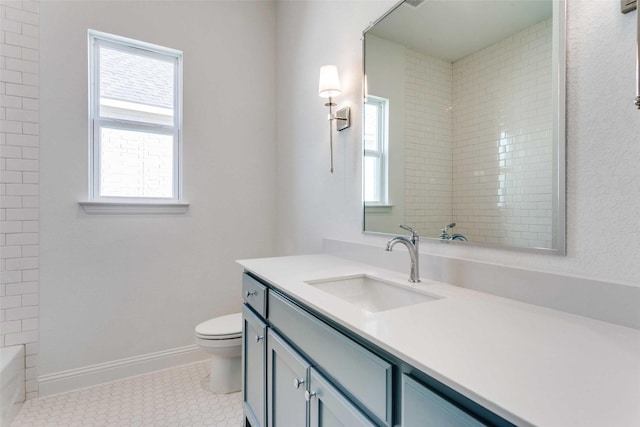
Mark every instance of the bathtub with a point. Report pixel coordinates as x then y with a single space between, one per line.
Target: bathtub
11 383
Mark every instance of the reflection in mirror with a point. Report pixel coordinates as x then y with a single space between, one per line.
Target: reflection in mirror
463 130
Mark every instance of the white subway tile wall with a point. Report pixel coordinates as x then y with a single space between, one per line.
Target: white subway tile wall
502 155
19 181
428 138
484 162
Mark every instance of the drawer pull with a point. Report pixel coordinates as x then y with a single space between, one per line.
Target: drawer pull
259 337
297 382
250 293
308 395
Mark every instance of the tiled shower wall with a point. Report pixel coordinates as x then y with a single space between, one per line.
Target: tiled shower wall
469 161
502 151
19 181
428 173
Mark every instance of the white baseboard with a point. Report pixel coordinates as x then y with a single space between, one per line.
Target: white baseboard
63 381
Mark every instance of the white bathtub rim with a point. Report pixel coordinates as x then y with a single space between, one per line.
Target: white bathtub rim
12 382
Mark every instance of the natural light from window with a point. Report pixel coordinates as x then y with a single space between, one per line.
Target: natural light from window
375 142
135 120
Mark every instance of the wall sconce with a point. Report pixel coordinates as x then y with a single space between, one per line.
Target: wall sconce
328 87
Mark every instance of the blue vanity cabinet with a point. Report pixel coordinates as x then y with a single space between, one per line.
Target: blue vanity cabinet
313 372
287 379
254 294
298 395
328 407
254 352
422 407
360 374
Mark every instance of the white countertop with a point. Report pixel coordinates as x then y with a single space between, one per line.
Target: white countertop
529 364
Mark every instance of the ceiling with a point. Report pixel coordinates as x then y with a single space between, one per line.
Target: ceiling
453 29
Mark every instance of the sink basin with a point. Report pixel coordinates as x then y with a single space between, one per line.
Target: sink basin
371 293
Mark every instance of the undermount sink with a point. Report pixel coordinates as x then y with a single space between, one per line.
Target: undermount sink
371 293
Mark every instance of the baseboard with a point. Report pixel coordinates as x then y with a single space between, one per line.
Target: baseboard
63 381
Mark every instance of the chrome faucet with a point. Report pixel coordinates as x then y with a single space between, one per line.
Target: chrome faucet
444 234
411 243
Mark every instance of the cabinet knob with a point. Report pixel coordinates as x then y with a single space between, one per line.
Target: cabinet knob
297 382
259 337
308 395
250 293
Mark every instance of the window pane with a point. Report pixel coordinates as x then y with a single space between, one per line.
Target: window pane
136 87
371 187
135 164
371 126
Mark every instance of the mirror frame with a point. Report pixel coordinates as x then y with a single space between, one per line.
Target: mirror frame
559 91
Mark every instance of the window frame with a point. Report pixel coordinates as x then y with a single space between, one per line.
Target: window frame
381 154
99 39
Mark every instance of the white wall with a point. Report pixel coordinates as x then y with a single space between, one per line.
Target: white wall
19 181
603 197
114 286
312 203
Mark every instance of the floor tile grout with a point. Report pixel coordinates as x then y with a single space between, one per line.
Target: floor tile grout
170 397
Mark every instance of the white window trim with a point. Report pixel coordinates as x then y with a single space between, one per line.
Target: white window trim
382 153
133 205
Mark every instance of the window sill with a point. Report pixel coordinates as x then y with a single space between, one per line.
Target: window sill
378 208
133 208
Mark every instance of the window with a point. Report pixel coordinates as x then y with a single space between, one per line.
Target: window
135 120
375 151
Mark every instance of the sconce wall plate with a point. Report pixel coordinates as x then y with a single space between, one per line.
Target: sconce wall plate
343 118
627 6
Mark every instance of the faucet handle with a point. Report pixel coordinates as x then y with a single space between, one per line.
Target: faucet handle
413 232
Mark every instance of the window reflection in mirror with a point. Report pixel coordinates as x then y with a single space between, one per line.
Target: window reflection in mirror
375 140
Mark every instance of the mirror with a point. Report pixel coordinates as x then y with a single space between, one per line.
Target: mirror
463 122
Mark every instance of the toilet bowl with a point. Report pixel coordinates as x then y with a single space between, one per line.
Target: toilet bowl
222 338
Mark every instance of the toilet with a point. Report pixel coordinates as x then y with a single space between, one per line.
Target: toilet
222 338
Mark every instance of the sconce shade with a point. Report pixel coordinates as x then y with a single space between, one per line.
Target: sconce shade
329 84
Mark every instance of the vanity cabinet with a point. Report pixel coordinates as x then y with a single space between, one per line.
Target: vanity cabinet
422 407
254 294
328 407
299 395
359 373
299 370
254 333
287 379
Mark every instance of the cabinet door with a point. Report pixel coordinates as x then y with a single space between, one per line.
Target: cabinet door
286 383
422 407
330 408
254 334
363 375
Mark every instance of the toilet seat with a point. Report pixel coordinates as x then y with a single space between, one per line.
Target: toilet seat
221 328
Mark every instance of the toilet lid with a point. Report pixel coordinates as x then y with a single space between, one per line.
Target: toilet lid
223 327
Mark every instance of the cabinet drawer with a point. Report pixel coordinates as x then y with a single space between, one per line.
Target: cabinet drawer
421 407
254 294
360 373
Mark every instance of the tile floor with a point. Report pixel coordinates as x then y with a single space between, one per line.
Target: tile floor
171 397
